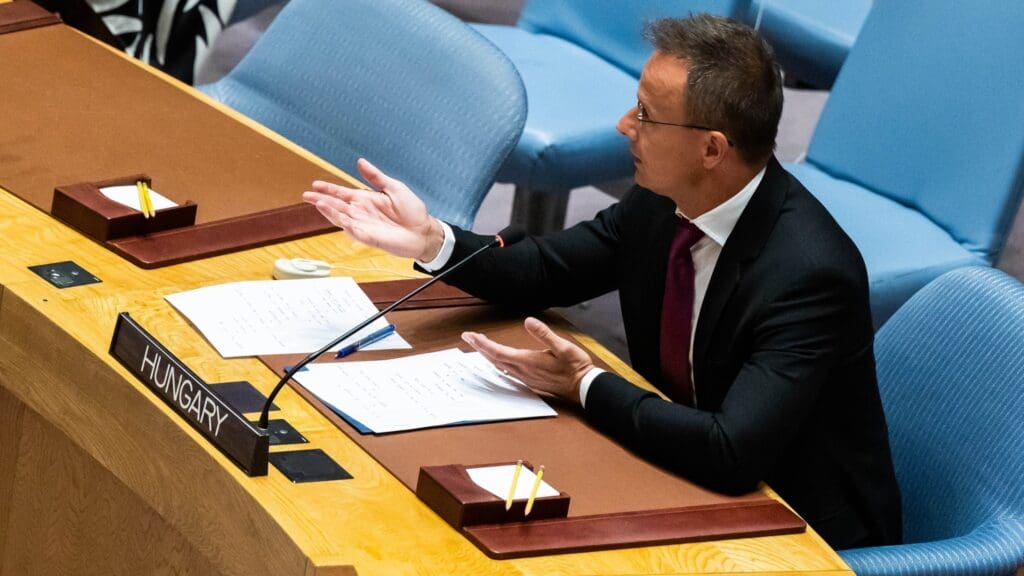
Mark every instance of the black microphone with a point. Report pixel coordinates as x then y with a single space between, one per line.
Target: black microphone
506 237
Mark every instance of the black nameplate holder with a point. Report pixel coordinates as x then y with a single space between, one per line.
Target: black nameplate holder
191 398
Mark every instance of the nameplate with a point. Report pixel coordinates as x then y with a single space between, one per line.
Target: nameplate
186 393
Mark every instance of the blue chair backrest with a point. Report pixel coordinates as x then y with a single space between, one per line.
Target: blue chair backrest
400 82
613 29
928 110
951 375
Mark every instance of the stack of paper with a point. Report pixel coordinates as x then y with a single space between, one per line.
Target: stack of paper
129 196
422 391
281 316
498 479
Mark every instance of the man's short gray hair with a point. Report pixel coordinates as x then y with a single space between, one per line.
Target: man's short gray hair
734 84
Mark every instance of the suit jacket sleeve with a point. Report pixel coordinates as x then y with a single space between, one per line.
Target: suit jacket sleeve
561 269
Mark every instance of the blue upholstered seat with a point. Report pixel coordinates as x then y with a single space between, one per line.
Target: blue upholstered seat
903 249
580 61
400 82
811 38
920 147
951 376
570 137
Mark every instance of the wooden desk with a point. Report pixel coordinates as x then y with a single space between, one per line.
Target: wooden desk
97 474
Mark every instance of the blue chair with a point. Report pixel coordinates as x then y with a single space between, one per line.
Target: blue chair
401 82
951 376
580 61
811 38
919 152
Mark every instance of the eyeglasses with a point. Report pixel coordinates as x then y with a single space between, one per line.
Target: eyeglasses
641 116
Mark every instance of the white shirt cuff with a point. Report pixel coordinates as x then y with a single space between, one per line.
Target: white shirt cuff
586 381
447 247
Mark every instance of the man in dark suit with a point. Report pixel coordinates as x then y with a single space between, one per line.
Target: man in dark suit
743 301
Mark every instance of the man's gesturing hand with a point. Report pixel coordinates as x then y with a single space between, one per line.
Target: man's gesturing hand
557 369
390 217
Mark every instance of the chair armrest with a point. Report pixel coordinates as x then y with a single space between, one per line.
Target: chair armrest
995 548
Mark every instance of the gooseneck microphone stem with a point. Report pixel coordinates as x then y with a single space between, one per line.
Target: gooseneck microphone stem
511 236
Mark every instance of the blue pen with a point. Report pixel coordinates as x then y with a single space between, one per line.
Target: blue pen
366 341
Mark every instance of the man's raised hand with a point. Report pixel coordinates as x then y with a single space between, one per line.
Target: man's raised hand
390 217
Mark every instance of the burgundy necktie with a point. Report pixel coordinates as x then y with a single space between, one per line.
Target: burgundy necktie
677 314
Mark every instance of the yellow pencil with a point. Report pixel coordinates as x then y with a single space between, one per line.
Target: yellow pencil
149 200
533 491
142 198
512 489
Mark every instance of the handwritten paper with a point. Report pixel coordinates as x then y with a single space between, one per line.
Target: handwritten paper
421 391
273 317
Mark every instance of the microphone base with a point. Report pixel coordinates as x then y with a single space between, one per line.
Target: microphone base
283 433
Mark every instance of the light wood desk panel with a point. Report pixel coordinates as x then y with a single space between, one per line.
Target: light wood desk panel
98 476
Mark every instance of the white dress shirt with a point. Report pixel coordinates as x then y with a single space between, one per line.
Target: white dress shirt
716 224
447 247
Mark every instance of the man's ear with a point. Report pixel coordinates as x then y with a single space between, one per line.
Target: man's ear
716 146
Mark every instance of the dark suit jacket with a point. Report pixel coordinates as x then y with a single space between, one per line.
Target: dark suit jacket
783 356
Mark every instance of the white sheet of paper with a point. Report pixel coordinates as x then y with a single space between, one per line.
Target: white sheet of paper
498 479
281 317
129 196
422 391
